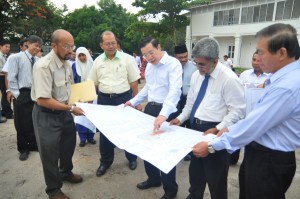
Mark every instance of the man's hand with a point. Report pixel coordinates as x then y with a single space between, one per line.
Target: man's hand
77 111
175 122
200 149
9 96
211 131
139 107
158 121
128 103
222 131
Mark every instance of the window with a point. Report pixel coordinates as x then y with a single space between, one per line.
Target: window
226 17
288 9
256 13
279 11
263 13
230 51
296 10
270 11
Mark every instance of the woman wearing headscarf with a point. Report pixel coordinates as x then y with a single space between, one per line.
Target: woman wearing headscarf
81 69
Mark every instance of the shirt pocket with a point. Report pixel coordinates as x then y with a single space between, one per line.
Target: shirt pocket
59 84
214 102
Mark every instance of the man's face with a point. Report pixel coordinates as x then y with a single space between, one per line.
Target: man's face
34 48
64 48
152 54
5 48
269 62
24 46
205 66
225 58
73 56
256 62
109 45
182 57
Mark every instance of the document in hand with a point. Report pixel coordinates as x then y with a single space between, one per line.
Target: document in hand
82 92
132 131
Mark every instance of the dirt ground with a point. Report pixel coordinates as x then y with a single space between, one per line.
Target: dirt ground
24 179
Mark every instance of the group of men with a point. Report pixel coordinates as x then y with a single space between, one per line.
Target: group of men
212 102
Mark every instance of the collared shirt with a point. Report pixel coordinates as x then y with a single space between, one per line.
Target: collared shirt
113 76
163 84
19 74
223 101
2 60
6 65
51 78
275 120
188 69
248 77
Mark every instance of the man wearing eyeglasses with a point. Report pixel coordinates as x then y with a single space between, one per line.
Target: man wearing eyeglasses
19 77
52 119
114 75
163 89
215 100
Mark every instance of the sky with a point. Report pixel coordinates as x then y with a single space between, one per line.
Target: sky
74 4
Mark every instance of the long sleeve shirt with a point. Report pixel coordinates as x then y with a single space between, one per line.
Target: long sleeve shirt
20 72
275 120
223 101
163 84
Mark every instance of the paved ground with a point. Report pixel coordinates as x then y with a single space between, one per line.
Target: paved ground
22 180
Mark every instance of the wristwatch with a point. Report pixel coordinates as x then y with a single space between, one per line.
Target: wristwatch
211 149
72 108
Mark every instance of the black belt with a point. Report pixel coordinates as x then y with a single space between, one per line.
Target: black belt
260 147
197 121
155 104
114 95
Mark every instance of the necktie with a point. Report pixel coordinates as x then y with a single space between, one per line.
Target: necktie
32 61
199 97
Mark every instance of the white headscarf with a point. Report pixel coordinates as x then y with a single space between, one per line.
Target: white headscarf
83 69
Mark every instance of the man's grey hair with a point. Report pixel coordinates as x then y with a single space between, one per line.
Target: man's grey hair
207 48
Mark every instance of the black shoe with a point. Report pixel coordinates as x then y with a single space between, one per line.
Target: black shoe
187 157
24 156
82 144
147 184
101 170
3 119
92 141
168 196
10 117
132 165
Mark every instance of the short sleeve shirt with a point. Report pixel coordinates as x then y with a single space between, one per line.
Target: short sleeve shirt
51 79
113 76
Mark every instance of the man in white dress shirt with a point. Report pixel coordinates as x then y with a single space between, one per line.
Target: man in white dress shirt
222 104
251 78
163 89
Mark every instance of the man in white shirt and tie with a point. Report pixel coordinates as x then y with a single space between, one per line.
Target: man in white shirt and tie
215 100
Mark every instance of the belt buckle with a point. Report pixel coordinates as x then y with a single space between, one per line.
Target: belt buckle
198 121
111 95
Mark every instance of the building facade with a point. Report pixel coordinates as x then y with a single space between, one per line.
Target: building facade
234 23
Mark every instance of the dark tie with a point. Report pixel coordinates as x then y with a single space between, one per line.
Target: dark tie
199 98
32 61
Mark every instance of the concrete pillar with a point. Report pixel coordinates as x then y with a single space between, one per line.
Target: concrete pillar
237 50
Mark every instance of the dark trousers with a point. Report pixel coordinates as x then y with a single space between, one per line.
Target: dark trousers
234 157
154 174
23 123
6 106
56 137
212 169
106 147
266 173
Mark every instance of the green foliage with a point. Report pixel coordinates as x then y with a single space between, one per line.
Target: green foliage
239 70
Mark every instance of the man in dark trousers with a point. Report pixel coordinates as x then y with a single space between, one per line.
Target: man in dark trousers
114 75
53 122
269 160
163 89
19 83
215 100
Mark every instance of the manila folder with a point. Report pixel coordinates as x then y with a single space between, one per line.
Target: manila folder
82 92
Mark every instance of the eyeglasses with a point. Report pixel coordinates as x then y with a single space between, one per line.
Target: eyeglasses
151 52
68 47
110 44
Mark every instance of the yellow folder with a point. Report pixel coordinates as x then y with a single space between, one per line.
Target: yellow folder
82 92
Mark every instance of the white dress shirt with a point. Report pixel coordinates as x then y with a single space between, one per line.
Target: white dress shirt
228 63
223 101
248 77
163 84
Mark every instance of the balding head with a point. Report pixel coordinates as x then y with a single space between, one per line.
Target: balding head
62 44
